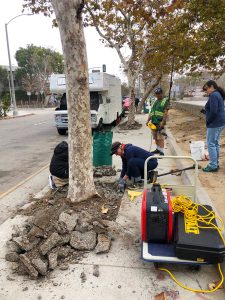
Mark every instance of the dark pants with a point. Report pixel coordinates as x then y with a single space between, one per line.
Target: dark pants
135 167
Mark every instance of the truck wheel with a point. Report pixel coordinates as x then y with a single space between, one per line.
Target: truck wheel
61 131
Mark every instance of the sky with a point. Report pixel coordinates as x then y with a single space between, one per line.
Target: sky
37 30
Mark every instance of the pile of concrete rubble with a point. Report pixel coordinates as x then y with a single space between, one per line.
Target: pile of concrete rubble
42 246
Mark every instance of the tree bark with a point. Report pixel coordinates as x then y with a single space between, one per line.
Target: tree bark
131 84
69 17
147 92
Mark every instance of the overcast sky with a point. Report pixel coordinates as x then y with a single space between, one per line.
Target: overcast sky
38 30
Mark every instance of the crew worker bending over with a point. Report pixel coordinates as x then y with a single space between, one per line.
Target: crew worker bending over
158 116
133 160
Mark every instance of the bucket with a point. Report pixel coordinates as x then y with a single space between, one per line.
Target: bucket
197 149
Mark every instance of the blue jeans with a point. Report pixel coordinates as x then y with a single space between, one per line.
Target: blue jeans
213 136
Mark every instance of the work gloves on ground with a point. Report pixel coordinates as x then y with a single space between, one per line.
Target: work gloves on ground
121 185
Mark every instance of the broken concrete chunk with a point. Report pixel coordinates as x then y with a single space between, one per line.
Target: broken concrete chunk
13 247
52 260
83 227
104 243
51 242
63 252
12 256
35 232
64 239
69 220
26 264
25 244
40 265
83 241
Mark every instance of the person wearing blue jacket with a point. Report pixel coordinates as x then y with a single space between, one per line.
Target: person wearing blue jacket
133 160
215 122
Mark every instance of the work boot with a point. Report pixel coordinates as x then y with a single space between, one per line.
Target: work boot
209 169
136 186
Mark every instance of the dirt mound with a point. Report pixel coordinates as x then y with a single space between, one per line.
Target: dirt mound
59 232
124 126
185 128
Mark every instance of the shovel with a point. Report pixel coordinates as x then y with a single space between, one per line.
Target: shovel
153 175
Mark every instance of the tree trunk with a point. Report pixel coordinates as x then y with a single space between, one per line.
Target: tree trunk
131 115
147 92
69 17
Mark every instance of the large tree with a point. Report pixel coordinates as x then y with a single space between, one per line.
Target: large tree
69 19
36 64
126 26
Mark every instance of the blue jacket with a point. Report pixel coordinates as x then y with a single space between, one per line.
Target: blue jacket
130 152
214 108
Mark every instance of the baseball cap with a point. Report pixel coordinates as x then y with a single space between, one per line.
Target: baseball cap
115 147
158 91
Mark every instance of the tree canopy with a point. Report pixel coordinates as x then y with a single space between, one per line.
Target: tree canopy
35 65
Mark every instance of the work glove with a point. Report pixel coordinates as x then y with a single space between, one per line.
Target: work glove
202 111
122 185
118 181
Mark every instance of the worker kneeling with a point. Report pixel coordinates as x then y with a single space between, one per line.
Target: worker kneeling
59 166
133 160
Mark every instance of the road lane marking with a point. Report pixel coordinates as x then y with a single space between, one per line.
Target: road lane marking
23 181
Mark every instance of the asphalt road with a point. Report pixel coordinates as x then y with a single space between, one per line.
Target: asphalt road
26 145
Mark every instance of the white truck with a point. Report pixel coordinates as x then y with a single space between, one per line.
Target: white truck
105 99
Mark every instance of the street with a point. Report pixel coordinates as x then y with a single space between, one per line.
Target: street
27 144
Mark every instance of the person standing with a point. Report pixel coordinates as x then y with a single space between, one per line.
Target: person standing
133 160
137 100
158 116
215 122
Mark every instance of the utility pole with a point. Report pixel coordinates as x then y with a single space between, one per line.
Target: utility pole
12 87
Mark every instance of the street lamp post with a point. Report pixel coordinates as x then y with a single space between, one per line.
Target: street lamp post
15 112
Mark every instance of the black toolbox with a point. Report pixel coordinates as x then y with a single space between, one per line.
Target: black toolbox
207 246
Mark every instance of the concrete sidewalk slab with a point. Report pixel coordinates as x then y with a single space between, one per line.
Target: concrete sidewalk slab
122 273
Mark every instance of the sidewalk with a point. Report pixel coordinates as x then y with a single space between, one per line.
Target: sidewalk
122 274
29 111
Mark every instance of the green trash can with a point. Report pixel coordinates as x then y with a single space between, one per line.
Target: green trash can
102 142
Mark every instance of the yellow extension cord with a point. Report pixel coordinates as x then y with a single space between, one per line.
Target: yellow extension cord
189 209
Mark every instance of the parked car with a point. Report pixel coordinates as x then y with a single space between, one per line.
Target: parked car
126 104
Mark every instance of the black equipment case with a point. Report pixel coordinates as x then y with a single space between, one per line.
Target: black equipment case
207 246
157 216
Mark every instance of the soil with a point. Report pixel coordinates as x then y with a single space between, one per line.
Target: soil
134 126
186 128
59 232
56 202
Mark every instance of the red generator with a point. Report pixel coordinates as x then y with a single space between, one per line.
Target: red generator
156 215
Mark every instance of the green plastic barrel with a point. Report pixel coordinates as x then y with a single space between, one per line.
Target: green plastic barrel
102 142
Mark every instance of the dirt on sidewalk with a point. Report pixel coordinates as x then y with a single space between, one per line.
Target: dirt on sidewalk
185 128
58 232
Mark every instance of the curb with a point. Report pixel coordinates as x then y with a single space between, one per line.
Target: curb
187 178
11 117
